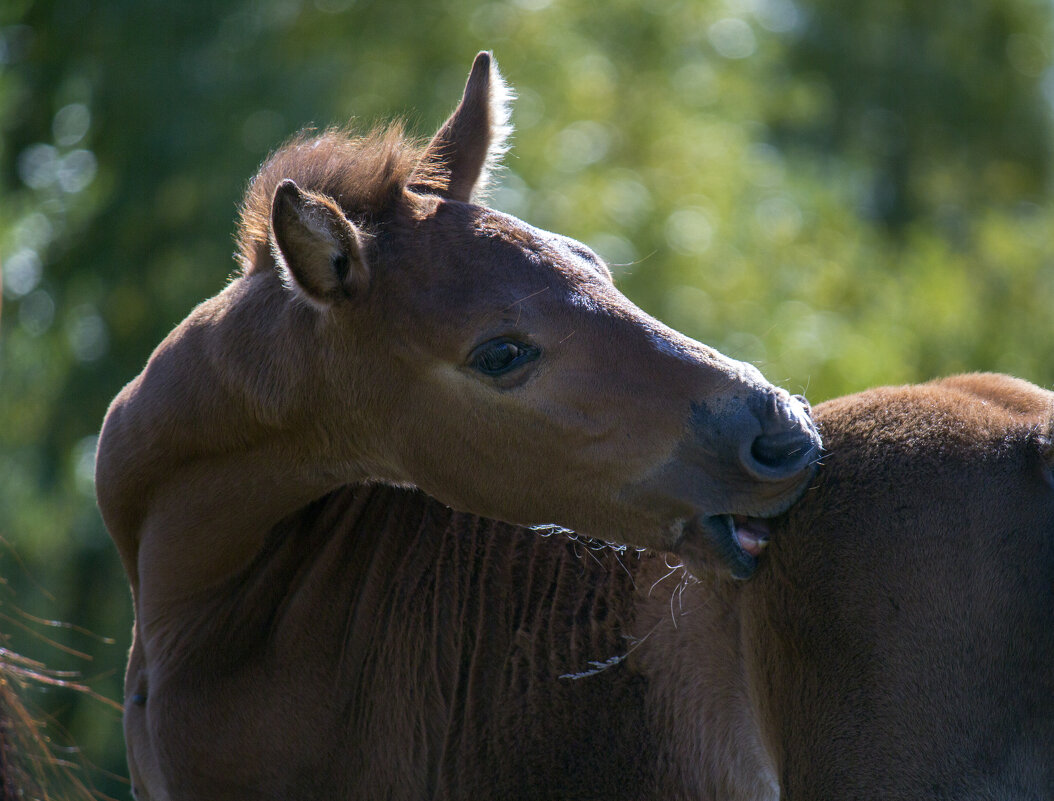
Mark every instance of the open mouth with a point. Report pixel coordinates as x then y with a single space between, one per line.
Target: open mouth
736 539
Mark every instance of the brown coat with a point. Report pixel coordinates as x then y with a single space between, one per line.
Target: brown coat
895 644
384 328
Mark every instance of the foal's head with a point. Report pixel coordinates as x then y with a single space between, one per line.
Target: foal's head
449 346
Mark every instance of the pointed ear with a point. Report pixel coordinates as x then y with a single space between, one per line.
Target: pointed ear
461 156
316 246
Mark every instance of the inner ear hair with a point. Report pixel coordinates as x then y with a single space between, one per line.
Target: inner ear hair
315 245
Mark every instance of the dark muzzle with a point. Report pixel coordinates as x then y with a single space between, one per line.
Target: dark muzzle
787 443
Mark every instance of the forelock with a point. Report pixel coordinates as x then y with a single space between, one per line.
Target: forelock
365 175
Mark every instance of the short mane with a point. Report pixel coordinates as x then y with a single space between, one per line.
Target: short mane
365 174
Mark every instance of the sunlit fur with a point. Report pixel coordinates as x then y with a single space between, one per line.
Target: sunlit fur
501 97
366 175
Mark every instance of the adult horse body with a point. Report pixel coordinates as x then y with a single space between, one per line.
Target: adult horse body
895 643
384 328
899 643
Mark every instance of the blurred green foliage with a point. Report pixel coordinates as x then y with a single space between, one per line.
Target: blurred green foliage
846 194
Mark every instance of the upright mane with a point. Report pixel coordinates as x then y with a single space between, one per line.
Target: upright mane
365 175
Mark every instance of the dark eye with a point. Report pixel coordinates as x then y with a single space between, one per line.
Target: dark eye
500 356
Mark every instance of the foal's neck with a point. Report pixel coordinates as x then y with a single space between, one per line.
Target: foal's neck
209 447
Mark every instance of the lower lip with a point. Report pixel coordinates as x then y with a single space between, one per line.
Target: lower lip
751 533
704 538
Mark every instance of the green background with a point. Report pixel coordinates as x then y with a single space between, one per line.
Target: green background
846 193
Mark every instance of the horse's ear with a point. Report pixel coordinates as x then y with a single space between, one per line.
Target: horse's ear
316 246
462 154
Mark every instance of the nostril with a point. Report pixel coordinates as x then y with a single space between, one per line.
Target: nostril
787 443
783 450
